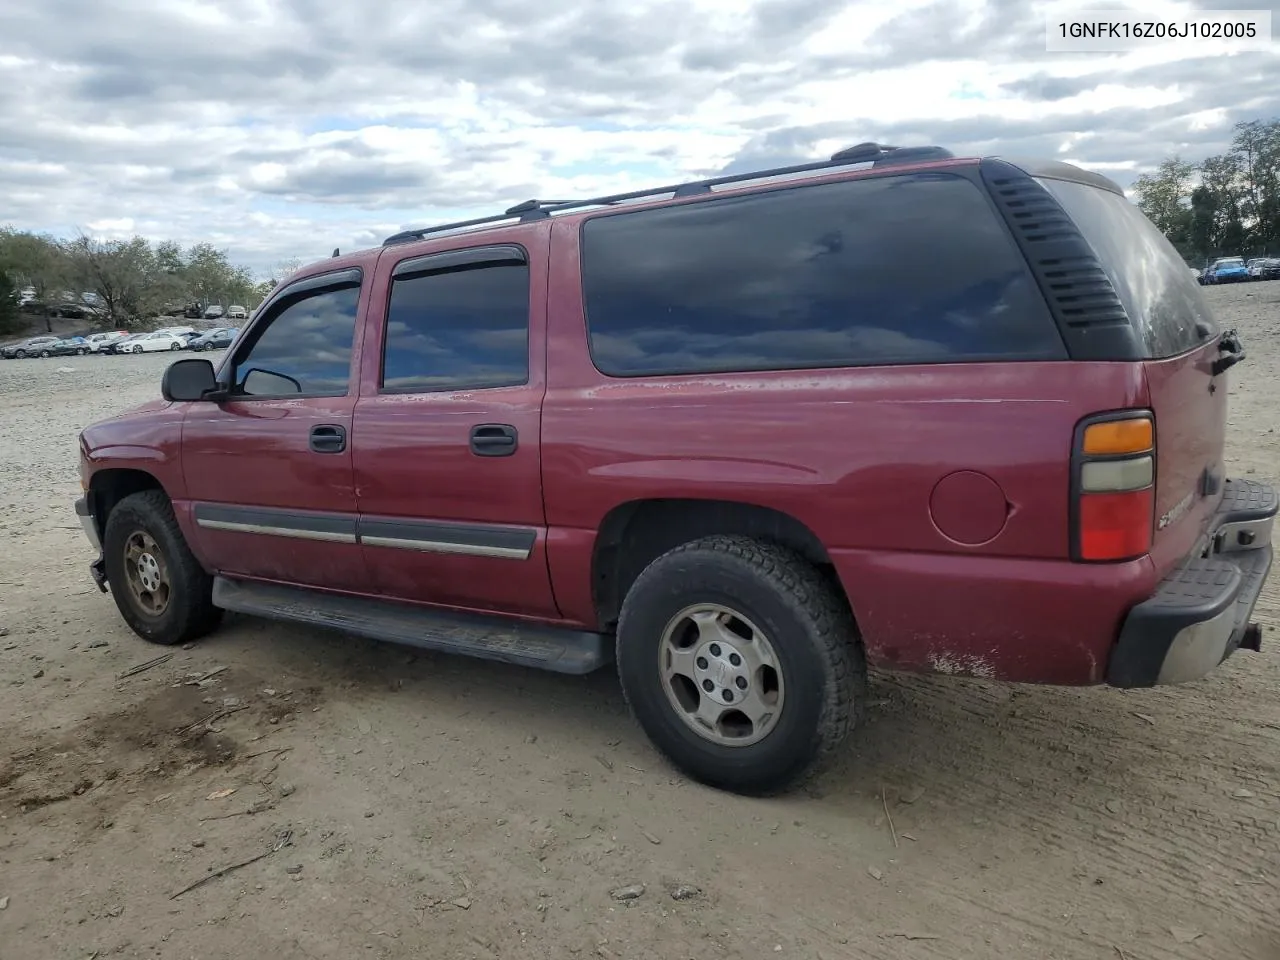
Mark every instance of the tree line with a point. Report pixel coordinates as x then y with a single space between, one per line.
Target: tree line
133 280
1224 206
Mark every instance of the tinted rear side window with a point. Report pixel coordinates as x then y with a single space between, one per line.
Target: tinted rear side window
458 330
1160 295
888 270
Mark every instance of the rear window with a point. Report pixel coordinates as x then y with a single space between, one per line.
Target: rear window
909 268
1162 298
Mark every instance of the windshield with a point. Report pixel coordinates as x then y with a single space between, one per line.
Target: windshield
1163 300
1235 262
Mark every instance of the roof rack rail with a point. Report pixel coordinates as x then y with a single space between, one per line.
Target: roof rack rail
876 154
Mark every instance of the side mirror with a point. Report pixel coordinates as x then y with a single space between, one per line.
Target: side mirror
187 380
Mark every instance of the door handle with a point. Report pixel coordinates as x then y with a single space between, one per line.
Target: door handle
494 440
328 438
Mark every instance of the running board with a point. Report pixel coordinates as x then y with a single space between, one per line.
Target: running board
490 638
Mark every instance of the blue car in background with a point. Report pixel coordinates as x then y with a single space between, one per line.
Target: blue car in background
1227 270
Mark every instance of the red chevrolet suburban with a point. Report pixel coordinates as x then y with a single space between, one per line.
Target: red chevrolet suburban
743 437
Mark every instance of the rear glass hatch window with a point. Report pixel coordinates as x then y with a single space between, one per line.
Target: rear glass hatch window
1162 298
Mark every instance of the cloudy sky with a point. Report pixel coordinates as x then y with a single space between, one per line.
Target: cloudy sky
282 128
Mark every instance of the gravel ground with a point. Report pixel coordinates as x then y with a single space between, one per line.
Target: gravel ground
442 807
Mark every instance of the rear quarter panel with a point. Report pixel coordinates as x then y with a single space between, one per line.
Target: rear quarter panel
856 456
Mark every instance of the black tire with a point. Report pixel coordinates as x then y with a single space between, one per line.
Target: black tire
814 638
81 351
175 346
45 354
20 354
189 613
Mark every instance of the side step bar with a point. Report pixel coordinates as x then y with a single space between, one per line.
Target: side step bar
490 638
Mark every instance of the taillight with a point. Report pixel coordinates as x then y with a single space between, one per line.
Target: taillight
1113 485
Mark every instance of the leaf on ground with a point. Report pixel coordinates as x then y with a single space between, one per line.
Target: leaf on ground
221 794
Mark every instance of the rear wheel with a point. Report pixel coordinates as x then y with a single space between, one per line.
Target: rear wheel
175 346
741 663
159 587
81 351
45 353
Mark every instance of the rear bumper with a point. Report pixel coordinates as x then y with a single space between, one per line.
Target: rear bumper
1201 612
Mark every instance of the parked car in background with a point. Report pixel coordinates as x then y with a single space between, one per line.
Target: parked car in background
1227 270
217 339
69 346
178 331
213 313
73 311
100 342
1263 268
121 345
153 342
31 347
237 313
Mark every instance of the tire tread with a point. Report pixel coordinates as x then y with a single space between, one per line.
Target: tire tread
830 620
193 587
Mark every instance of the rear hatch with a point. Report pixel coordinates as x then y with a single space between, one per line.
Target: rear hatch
1182 341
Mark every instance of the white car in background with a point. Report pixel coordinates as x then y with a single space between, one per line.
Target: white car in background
153 342
101 342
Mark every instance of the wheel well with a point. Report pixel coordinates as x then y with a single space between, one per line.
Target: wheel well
635 534
109 487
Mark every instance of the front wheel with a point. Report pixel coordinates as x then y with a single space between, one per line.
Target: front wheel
159 587
741 663
20 354
137 349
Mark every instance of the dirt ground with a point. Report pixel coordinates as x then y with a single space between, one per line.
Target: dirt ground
407 805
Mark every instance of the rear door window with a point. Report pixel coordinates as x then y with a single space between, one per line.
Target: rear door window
463 329
908 268
1159 293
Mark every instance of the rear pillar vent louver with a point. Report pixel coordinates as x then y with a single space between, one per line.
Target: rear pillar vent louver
1081 297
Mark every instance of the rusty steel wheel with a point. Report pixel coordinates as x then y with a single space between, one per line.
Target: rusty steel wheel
158 585
147 573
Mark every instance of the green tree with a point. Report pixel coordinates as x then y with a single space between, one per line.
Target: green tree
212 279
1256 148
1165 198
37 261
9 317
122 272
1234 209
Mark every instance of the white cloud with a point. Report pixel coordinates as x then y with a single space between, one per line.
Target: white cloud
281 128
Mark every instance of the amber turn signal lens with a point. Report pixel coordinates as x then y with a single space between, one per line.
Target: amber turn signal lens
1118 436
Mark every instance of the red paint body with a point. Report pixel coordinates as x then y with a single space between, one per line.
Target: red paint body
855 455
